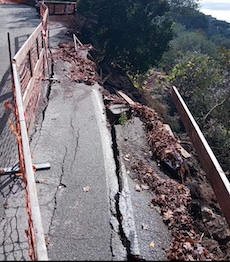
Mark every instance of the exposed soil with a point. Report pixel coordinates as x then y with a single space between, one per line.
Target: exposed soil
184 195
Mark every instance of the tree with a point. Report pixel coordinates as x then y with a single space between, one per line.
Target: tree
196 77
221 41
183 4
194 20
186 42
179 8
131 34
204 84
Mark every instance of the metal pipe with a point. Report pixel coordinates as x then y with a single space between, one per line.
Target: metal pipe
16 169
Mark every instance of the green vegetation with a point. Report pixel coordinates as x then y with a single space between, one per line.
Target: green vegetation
123 118
173 37
131 34
204 84
198 64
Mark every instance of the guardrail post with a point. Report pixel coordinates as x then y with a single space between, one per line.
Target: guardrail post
37 48
30 63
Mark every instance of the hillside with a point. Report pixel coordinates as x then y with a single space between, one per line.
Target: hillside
186 203
195 204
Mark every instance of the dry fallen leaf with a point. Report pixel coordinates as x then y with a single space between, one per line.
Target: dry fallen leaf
152 244
145 187
168 215
188 246
86 188
145 226
137 188
126 157
47 240
40 180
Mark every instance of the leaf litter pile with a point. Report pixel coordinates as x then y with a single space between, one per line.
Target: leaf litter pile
82 69
174 200
187 203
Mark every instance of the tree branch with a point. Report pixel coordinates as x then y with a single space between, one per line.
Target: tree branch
215 106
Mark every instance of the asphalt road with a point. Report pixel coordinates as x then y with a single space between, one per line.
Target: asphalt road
19 21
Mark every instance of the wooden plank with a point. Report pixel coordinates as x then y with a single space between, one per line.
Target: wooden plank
212 168
45 17
127 98
23 51
79 42
183 152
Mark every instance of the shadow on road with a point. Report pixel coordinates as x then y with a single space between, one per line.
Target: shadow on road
23 17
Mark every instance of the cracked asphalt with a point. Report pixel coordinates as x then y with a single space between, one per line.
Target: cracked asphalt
88 203
79 189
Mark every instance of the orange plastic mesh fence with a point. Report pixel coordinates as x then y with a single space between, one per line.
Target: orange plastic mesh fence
26 71
31 72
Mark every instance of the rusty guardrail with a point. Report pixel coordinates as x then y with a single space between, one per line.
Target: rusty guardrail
61 7
212 168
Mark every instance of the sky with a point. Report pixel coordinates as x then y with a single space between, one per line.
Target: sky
220 9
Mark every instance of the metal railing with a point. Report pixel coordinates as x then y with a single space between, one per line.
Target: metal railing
61 7
212 168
